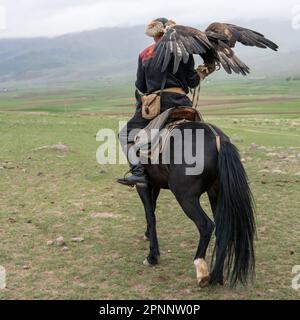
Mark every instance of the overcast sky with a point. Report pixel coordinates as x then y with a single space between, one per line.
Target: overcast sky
27 18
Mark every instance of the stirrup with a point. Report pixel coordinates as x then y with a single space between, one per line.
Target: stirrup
124 178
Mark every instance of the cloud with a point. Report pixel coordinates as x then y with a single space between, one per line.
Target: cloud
27 18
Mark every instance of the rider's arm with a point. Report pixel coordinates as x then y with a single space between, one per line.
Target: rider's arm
193 78
140 78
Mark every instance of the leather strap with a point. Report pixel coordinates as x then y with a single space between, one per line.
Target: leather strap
172 90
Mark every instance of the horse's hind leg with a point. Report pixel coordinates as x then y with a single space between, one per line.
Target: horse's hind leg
193 209
213 199
145 193
155 193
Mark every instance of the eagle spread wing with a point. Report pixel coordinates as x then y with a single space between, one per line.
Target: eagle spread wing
225 36
180 42
214 46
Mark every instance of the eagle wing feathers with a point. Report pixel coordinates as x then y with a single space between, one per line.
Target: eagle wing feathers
215 46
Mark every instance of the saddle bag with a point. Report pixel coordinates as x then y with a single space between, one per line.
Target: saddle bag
151 103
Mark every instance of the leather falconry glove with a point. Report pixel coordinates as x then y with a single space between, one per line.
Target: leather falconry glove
205 70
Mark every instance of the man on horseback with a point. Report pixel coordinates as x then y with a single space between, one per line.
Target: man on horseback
173 88
166 70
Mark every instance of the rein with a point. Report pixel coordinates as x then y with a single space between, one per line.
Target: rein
196 98
195 102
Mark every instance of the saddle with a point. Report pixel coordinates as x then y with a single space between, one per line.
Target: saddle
184 113
151 140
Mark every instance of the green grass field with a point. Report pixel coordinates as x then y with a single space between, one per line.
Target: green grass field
46 192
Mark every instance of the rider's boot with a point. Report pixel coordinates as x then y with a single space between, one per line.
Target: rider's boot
138 176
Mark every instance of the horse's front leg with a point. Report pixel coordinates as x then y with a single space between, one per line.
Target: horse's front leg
155 193
146 194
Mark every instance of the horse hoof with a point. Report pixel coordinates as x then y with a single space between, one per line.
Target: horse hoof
145 238
146 263
152 263
203 277
204 282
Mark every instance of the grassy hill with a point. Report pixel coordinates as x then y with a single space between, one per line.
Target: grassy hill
112 52
52 186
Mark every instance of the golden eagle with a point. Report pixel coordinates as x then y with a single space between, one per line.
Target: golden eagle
214 45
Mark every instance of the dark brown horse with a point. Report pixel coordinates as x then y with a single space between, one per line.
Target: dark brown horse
224 180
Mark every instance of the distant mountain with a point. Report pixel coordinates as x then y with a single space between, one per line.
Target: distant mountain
112 52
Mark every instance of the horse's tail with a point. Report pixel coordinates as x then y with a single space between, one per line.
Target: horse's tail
234 218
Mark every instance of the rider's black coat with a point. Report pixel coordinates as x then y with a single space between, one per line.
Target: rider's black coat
149 79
